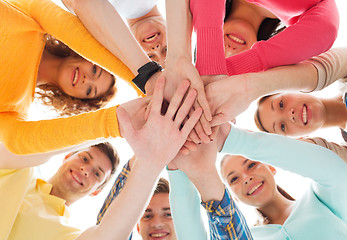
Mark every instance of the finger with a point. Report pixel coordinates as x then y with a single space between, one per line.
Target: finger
193 119
204 104
124 123
158 95
204 123
191 146
194 137
184 150
218 119
177 98
201 133
186 106
214 132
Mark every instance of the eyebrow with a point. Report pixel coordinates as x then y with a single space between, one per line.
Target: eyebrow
244 162
148 210
100 72
167 209
272 105
273 126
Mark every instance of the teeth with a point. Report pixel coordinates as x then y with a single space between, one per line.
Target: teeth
75 77
236 39
157 235
254 188
150 38
77 178
304 114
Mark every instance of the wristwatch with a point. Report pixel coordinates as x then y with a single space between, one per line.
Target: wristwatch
145 73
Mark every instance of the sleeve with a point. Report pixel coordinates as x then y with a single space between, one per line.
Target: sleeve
324 167
331 66
185 207
312 34
208 23
67 28
226 220
336 148
26 137
117 187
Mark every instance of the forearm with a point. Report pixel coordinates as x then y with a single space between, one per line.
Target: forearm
298 77
185 207
179 29
128 207
103 21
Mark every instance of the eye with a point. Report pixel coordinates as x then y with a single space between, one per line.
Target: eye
94 68
251 165
147 216
85 159
167 215
97 174
283 127
89 91
281 104
150 56
233 179
165 49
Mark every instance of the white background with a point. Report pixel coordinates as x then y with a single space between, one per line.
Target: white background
84 212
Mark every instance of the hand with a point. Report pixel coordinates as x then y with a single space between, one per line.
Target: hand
229 97
162 136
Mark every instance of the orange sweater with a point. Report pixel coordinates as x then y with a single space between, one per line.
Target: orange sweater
23 25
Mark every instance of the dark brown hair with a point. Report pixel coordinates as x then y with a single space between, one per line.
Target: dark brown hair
257 120
162 186
64 104
267 29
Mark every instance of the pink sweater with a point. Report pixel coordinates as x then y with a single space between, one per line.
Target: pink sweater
312 27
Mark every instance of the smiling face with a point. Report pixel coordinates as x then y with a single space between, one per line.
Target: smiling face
82 79
156 222
151 35
81 174
252 182
292 114
239 36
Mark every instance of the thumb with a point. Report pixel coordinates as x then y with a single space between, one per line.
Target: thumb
125 125
218 119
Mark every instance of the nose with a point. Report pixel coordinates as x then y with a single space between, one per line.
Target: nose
233 49
157 222
86 78
249 180
84 171
292 115
155 46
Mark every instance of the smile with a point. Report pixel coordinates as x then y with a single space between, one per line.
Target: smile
304 114
75 77
151 37
76 178
255 188
158 235
236 39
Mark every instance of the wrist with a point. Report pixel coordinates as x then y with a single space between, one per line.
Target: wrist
145 73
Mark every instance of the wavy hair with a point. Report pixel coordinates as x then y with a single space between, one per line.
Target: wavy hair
56 99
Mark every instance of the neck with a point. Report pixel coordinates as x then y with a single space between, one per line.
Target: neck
241 9
60 193
48 69
278 210
336 113
153 13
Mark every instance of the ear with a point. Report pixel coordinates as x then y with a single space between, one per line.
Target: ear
68 155
138 228
272 169
96 192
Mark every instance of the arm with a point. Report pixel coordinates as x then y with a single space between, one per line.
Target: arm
102 20
185 207
178 64
152 153
326 168
69 29
26 137
294 44
115 190
340 150
208 20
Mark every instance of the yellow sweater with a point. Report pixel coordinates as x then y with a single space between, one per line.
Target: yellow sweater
23 25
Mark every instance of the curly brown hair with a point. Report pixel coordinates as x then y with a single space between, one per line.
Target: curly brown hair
64 104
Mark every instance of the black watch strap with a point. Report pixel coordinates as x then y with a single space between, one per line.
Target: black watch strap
145 73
